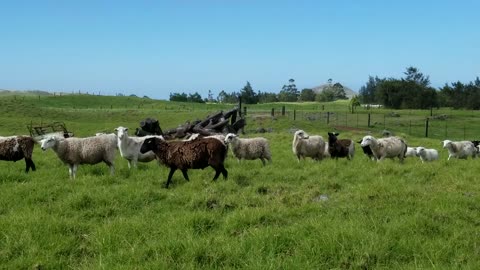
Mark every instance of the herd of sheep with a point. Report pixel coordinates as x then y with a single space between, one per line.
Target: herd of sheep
199 152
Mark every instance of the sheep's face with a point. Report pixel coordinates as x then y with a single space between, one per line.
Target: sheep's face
121 132
230 137
420 151
47 143
332 136
446 143
149 144
367 140
301 134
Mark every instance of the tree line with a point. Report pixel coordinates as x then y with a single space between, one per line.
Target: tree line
413 91
288 93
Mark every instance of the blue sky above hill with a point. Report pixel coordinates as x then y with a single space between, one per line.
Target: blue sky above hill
154 48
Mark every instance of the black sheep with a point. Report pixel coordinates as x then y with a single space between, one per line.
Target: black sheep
183 155
367 150
340 148
17 148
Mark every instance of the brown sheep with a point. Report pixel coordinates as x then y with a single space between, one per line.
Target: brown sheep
16 148
340 147
183 155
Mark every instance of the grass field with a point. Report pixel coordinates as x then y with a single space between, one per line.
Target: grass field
287 215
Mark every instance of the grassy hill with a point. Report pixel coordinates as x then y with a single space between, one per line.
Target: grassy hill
287 215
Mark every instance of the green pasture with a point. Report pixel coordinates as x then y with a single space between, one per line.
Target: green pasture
333 214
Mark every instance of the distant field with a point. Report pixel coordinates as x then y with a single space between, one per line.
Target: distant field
286 215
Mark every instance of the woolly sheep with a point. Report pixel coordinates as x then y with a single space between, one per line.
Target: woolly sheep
427 154
304 145
367 150
390 147
15 148
90 150
340 148
460 149
249 149
183 155
129 147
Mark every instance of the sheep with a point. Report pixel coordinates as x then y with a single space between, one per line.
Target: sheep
304 145
427 154
90 150
340 148
15 148
367 150
130 147
183 155
411 152
390 147
249 149
460 149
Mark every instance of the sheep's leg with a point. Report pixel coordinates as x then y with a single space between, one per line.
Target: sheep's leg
218 170
185 175
70 171
170 174
129 164
134 161
29 164
111 166
263 161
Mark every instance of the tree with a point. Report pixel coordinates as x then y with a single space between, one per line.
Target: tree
414 75
331 92
307 94
289 92
264 97
354 103
178 97
248 95
195 97
367 92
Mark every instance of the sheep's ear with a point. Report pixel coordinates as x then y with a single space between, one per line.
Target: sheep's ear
116 129
336 133
126 129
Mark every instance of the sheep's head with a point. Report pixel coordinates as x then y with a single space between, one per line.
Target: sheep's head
367 140
446 143
332 136
301 134
149 144
230 137
121 132
419 151
48 142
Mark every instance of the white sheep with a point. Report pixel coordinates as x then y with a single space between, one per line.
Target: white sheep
460 149
304 145
90 150
427 154
390 147
130 147
249 149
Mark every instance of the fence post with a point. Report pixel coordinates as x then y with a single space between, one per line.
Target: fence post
283 110
328 118
384 116
368 124
273 112
426 128
346 119
244 111
294 114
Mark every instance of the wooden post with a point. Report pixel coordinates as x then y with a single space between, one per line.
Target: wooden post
294 114
368 123
240 106
283 110
426 128
273 112
328 118
244 111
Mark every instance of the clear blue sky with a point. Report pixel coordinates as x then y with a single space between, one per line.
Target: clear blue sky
156 47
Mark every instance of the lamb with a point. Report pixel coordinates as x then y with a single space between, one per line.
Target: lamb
390 147
90 150
340 148
183 155
304 145
249 149
460 149
411 152
15 148
427 154
130 147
